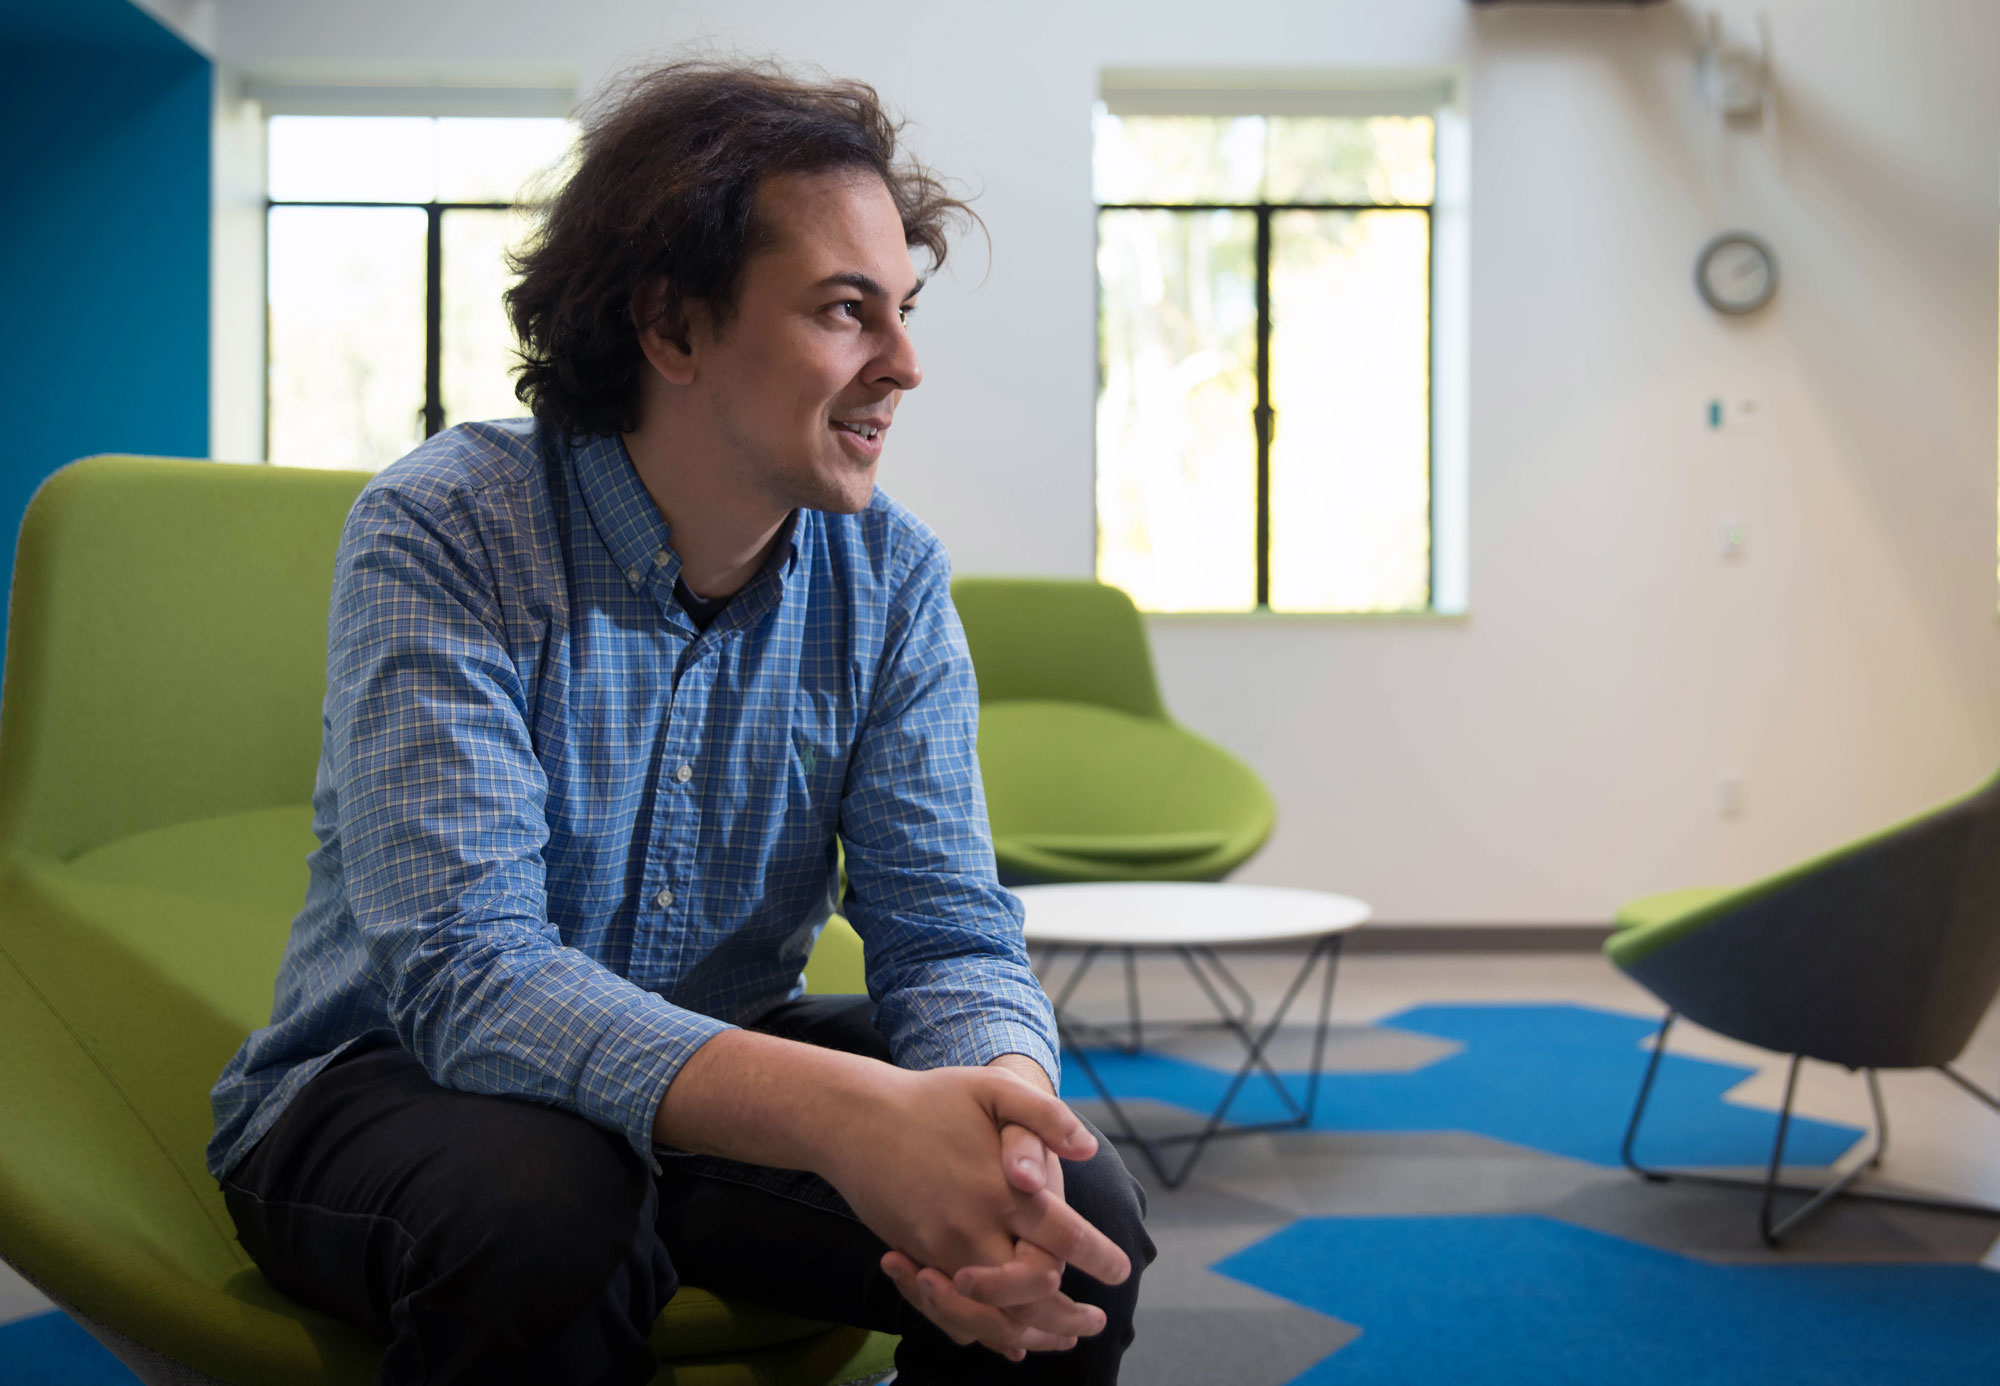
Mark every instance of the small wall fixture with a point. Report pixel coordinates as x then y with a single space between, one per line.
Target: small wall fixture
1736 77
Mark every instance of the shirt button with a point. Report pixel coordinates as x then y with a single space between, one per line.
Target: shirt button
632 575
684 774
662 557
665 899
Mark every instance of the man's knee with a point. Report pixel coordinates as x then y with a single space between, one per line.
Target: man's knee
543 1216
1110 1199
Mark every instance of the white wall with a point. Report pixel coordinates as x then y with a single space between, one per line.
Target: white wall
1556 750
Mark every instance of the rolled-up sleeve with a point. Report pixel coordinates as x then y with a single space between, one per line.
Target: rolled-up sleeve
442 810
947 964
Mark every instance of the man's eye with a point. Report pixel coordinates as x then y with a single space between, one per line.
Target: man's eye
903 313
851 307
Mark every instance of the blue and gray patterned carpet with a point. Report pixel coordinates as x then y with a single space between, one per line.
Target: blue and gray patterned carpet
1458 1214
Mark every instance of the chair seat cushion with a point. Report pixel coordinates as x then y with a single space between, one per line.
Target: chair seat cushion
205 906
1131 847
696 1323
208 903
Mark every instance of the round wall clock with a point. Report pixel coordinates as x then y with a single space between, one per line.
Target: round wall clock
1736 273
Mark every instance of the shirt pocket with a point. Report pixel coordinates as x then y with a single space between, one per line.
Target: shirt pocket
816 748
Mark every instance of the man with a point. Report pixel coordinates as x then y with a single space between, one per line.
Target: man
603 690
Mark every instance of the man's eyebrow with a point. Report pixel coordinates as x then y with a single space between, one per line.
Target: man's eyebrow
855 279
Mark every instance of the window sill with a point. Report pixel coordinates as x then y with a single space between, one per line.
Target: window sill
1370 618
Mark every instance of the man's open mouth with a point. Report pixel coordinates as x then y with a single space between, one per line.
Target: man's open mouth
867 431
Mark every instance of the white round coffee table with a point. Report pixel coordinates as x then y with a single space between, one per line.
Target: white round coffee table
1191 920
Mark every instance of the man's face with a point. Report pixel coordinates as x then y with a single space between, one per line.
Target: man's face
802 382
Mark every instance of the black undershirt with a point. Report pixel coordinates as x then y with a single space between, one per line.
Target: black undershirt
700 610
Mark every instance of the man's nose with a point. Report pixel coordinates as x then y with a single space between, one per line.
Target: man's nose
898 366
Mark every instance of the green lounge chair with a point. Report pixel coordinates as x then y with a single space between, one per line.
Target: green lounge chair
1087 777
158 739
1884 953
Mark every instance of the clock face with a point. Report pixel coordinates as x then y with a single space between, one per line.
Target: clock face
1736 273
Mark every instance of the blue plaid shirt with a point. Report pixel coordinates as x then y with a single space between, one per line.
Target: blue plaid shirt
565 837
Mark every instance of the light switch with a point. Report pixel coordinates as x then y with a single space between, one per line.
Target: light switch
1729 794
1730 537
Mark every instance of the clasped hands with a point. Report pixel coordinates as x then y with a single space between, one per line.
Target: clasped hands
970 1196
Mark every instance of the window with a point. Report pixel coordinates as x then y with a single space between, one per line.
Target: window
385 238
1264 406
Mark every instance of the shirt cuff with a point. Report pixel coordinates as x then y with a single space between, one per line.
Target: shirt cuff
1008 1037
636 1059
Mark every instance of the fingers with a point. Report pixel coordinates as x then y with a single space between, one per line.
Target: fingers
1024 1104
1059 1316
903 1273
986 1325
1065 1234
1029 1289
1032 1274
966 1321
1024 1157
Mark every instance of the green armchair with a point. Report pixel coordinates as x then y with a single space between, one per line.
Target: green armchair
1884 953
1087 777
158 739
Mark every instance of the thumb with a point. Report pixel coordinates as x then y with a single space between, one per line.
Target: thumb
1044 1115
1024 1157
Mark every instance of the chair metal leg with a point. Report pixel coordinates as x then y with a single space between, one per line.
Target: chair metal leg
1817 1196
1639 1107
1772 1232
1988 1098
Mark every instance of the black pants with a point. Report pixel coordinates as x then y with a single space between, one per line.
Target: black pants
489 1240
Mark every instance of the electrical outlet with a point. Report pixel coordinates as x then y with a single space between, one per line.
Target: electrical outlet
1731 535
1729 794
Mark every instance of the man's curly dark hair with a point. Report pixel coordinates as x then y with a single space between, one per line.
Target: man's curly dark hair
666 187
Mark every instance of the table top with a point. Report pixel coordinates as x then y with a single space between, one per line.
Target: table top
1166 914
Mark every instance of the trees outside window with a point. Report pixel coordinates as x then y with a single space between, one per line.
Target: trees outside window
1264 360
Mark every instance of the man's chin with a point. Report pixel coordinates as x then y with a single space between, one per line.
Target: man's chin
844 495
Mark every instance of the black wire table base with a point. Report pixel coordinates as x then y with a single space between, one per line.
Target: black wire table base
1816 1196
1234 1014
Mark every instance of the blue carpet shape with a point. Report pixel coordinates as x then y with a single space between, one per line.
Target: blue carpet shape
1557 1078
1502 1300
51 1350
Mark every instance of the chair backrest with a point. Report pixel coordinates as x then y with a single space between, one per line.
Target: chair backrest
159 732
1884 953
166 651
1059 639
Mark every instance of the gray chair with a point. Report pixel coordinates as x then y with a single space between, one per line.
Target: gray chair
1884 953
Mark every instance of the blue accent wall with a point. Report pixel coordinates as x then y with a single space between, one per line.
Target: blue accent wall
104 242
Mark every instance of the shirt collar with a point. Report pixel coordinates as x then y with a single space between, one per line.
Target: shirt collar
634 532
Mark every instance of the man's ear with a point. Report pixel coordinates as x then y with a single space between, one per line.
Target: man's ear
660 320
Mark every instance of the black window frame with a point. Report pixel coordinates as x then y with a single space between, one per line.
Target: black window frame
434 214
1264 416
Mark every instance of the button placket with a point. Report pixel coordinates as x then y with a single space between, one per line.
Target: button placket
694 674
